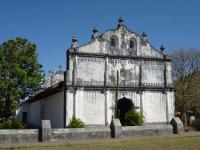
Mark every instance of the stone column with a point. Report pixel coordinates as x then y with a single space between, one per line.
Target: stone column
105 90
45 131
141 103
105 72
167 107
140 86
74 102
106 107
165 86
74 73
67 111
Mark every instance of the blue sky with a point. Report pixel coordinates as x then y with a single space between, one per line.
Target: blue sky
50 24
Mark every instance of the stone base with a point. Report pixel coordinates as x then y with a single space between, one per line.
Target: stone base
177 125
116 129
146 130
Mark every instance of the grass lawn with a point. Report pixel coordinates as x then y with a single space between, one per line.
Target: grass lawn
155 143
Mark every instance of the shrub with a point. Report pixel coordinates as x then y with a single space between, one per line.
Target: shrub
12 124
76 123
17 124
133 118
5 124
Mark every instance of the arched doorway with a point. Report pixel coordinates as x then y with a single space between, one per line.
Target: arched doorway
123 106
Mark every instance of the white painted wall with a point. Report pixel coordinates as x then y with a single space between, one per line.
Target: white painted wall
34 117
25 108
154 107
152 72
87 69
53 109
171 104
128 67
89 105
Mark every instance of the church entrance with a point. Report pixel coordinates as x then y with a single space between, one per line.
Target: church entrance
123 106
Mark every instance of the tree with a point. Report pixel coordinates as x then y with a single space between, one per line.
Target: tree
186 65
20 74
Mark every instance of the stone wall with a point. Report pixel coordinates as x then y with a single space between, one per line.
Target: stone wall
80 133
21 135
147 130
49 134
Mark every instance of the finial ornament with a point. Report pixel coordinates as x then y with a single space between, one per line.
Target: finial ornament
144 38
144 34
74 39
162 48
60 66
95 30
94 35
74 42
120 22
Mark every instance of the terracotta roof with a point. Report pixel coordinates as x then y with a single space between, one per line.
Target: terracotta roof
47 92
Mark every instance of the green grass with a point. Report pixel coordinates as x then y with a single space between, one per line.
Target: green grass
167 143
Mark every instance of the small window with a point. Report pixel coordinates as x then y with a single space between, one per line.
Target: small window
113 42
131 44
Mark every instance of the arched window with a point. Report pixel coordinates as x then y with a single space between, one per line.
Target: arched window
113 41
131 45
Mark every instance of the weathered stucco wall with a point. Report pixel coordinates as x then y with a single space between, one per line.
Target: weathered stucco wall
154 106
153 73
90 104
49 108
52 109
87 71
171 104
128 72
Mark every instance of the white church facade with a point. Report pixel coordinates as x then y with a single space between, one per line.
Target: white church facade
111 70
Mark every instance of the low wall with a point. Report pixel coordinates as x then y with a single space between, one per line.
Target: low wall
147 130
48 134
19 135
80 133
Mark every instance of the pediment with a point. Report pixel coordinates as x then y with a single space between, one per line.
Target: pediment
121 41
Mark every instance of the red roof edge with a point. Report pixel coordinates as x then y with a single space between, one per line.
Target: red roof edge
47 92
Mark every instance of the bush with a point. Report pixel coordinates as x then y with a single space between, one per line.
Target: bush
17 124
133 118
12 124
76 123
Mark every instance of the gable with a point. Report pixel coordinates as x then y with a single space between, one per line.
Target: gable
120 41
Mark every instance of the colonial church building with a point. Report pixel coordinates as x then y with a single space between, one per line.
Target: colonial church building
113 71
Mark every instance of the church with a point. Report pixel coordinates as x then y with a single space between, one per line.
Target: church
111 72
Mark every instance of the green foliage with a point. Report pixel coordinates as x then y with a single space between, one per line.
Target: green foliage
20 74
133 118
76 123
12 124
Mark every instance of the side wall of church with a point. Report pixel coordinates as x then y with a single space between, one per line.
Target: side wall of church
33 113
52 109
48 108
